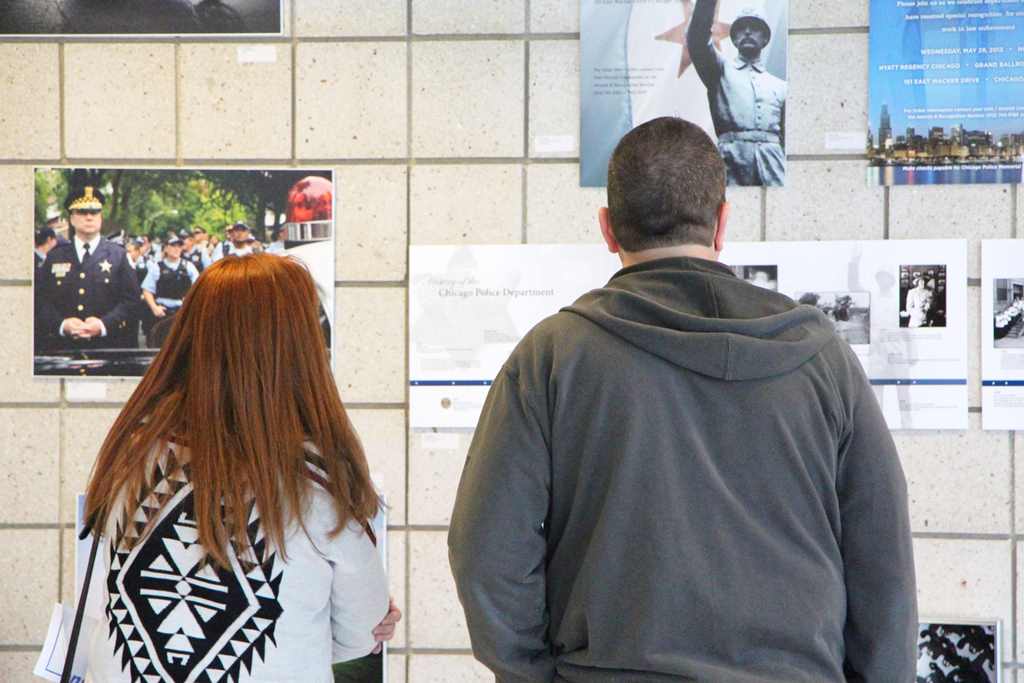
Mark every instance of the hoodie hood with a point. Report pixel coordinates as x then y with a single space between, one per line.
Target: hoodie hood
696 314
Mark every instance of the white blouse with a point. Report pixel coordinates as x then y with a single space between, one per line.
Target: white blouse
164 615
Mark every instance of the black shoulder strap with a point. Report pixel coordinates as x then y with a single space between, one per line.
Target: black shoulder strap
69 658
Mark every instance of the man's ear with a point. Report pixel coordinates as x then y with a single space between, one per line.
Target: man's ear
723 219
605 219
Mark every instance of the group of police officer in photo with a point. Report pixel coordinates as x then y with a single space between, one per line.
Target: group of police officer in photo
93 292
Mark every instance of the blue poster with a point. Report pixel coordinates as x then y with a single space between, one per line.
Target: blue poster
718 63
946 100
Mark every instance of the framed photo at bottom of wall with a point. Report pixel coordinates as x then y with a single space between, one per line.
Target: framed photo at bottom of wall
959 650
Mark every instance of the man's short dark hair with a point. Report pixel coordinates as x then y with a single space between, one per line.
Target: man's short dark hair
666 182
43 235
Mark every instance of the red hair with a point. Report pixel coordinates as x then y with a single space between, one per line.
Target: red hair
243 380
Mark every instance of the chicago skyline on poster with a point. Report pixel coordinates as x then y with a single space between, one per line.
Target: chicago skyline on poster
946 102
721 64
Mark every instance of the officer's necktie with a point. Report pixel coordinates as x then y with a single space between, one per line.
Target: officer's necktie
85 254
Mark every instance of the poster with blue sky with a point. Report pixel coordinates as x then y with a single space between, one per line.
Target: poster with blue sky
946 100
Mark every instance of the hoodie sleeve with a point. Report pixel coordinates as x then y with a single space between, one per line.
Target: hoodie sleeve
497 545
881 619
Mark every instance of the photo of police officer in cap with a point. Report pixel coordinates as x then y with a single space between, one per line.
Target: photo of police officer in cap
721 64
165 286
86 292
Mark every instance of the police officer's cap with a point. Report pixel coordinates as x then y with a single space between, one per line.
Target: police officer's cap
173 241
139 241
183 233
240 226
85 198
750 14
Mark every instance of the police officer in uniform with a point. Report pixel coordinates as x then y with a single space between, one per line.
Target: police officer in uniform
748 104
240 242
86 292
193 252
166 284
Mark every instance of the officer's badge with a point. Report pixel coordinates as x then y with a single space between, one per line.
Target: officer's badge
60 269
106 265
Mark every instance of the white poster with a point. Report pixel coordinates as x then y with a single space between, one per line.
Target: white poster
902 306
468 308
1002 334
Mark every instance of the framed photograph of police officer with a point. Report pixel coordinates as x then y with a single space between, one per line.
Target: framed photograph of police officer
964 650
718 63
140 17
117 250
923 296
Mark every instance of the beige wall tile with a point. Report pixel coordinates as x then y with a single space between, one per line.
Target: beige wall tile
16 667
817 203
29 460
28 583
232 110
467 204
16 350
119 100
554 16
447 669
1018 471
555 98
350 18
816 103
371 239
83 435
351 100
16 205
370 352
558 210
975 212
825 14
437 620
948 473
383 435
30 106
961 578
744 224
468 99
468 16
398 549
397 668
973 346
435 465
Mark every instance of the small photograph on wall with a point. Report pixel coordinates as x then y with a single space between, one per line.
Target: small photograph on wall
946 94
140 18
117 250
766 277
1008 313
923 296
850 312
718 63
948 652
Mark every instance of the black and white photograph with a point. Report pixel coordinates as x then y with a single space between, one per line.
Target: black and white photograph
1008 313
958 653
766 277
923 296
117 250
140 17
850 312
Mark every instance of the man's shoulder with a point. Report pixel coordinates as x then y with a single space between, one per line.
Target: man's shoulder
61 252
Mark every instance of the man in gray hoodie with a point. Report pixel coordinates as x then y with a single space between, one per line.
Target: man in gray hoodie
683 477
